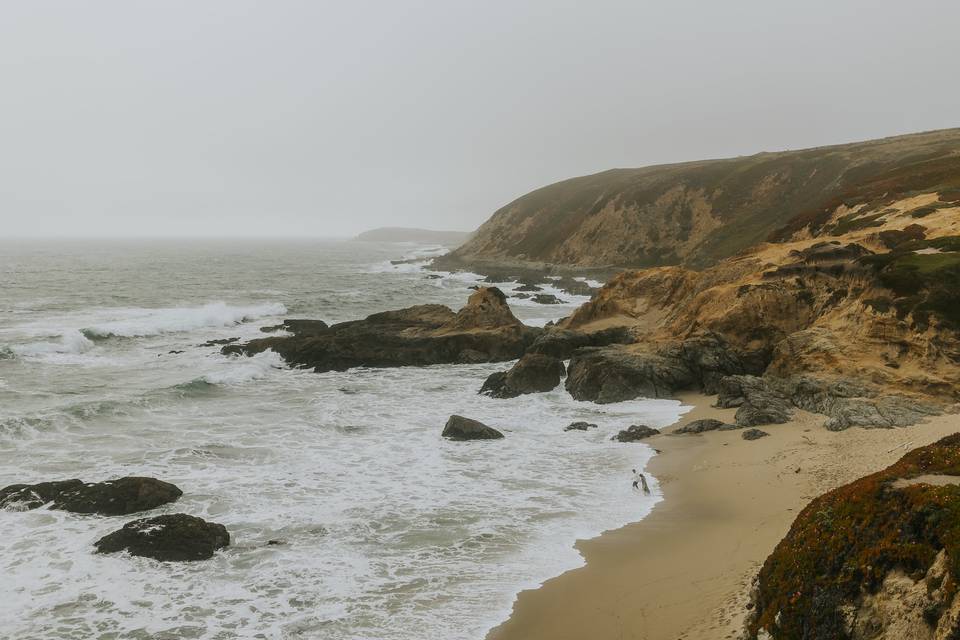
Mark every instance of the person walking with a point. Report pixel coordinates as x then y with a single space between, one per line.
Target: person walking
640 481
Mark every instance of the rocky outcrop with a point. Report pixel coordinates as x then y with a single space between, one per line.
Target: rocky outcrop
485 330
579 426
110 498
298 327
635 433
612 374
847 403
561 343
874 559
702 426
173 537
460 428
533 373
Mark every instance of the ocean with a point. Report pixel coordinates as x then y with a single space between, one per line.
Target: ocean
387 531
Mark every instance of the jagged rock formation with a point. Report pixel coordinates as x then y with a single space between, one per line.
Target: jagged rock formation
533 373
485 330
110 498
173 537
876 559
695 213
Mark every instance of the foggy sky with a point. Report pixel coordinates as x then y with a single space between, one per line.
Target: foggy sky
283 117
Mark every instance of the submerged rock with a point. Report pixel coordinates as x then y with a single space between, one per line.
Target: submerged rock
460 428
485 330
218 343
579 426
110 498
635 432
174 537
533 373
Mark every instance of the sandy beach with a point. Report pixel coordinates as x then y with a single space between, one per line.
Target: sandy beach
684 571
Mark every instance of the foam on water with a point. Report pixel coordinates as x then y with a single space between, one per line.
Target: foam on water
133 323
387 531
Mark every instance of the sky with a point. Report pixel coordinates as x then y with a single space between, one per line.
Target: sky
313 118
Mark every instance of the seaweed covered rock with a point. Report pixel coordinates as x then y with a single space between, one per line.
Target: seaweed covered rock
484 330
533 373
460 428
172 537
877 558
110 498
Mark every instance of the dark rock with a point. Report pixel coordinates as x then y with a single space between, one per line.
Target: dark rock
561 343
547 298
460 428
635 433
527 286
174 537
707 424
759 402
753 434
533 373
220 342
699 363
574 287
579 426
110 498
433 276
521 296
23 497
485 330
174 352
305 328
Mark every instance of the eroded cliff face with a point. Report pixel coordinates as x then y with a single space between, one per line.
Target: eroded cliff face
871 293
695 214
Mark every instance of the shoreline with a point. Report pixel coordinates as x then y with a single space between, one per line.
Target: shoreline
684 571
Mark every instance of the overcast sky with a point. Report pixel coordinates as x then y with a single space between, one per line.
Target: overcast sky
283 117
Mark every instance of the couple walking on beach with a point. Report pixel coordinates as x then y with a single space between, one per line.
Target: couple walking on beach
640 481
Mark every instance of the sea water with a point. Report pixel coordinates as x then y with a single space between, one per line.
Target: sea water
385 530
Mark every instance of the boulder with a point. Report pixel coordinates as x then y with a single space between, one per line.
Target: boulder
174 537
528 286
707 424
753 434
759 402
485 330
579 426
635 432
110 498
547 298
460 428
533 373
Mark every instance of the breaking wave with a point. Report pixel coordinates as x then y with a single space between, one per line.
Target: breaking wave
151 322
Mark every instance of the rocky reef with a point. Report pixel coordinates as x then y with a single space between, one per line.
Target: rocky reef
876 559
485 330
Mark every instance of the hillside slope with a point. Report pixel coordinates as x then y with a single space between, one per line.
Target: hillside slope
697 213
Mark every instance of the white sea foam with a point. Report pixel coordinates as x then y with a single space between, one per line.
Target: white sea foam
132 323
70 343
238 371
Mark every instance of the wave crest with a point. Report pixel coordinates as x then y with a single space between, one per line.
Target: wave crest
151 322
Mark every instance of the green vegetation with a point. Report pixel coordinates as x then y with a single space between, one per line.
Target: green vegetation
927 283
846 542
